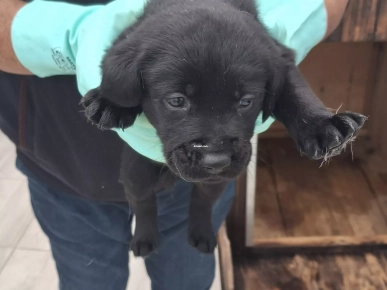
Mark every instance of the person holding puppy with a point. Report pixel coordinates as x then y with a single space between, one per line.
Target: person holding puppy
50 57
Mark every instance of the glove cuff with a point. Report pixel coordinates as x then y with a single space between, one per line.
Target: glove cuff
298 24
44 36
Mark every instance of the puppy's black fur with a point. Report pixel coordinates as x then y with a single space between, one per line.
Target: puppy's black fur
202 71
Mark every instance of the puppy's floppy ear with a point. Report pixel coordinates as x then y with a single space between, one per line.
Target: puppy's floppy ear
276 85
116 102
122 82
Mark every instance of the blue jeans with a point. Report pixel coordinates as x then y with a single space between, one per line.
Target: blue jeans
90 239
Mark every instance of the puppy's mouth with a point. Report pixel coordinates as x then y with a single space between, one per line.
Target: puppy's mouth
203 166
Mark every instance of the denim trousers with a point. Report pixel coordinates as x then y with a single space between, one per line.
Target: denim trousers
90 239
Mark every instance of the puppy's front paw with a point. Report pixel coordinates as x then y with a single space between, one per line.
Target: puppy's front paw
106 115
144 245
328 136
203 239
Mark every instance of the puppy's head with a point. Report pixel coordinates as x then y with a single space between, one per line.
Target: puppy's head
201 78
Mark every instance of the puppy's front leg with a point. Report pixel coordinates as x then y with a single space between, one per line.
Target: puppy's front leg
146 236
140 177
317 131
200 230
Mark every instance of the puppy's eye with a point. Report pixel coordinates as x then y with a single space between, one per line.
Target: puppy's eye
177 102
244 103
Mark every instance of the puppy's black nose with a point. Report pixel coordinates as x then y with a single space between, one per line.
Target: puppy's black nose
215 163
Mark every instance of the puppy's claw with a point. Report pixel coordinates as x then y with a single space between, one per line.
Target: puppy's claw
122 125
106 115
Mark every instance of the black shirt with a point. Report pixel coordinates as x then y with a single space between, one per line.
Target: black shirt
43 118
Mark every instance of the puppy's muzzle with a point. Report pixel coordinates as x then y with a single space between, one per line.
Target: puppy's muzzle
213 157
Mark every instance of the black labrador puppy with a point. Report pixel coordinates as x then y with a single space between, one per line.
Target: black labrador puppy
201 71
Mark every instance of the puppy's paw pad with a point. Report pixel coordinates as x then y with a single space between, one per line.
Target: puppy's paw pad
348 123
327 139
143 247
106 115
328 136
204 241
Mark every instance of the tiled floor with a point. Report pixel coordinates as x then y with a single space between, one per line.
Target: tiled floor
25 258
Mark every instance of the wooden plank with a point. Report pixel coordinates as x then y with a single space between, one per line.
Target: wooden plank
358 273
376 269
381 24
360 20
305 269
298 196
340 73
359 202
236 219
265 274
378 184
306 196
352 268
251 184
333 200
225 256
289 197
239 277
320 241
311 272
378 116
383 261
268 218
339 204
330 275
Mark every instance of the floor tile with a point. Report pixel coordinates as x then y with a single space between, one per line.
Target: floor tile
139 279
7 160
8 170
8 188
15 214
6 147
217 284
29 270
34 238
4 254
48 279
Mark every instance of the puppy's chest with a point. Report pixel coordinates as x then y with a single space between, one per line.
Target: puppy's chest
168 179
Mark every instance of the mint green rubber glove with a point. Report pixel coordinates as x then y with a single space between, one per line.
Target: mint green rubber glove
56 38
